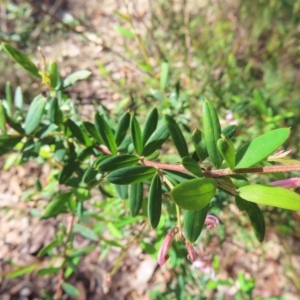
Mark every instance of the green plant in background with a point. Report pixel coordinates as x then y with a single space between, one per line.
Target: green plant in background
126 156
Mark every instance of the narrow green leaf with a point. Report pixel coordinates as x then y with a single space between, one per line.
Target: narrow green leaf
136 135
155 201
193 223
212 132
122 128
261 147
199 144
55 79
226 149
270 195
7 143
131 175
21 271
57 206
8 97
76 76
177 136
2 120
158 137
85 232
21 59
150 124
35 114
118 162
122 16
164 75
194 194
91 129
125 32
45 250
255 215
18 98
54 113
136 194
70 289
89 175
106 133
78 133
48 271
67 171
122 191
239 180
229 131
192 166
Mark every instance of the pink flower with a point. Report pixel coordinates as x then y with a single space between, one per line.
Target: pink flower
290 183
191 252
211 222
163 251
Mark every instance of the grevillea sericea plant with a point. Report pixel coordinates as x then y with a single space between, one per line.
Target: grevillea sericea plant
127 155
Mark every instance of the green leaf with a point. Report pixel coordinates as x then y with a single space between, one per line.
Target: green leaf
89 175
131 175
76 76
261 147
57 206
54 113
177 136
255 215
118 162
121 16
70 289
18 98
35 114
193 223
122 128
21 271
269 195
8 142
48 271
136 194
85 232
91 129
136 135
155 201
125 32
67 171
106 133
55 79
192 166
229 131
194 194
164 74
212 132
122 191
150 124
239 180
45 250
21 59
78 133
2 120
226 149
199 144
8 99
158 137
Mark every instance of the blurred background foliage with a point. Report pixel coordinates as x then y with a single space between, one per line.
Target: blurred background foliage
244 56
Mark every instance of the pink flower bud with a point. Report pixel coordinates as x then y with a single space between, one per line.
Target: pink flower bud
163 251
191 252
287 183
211 222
